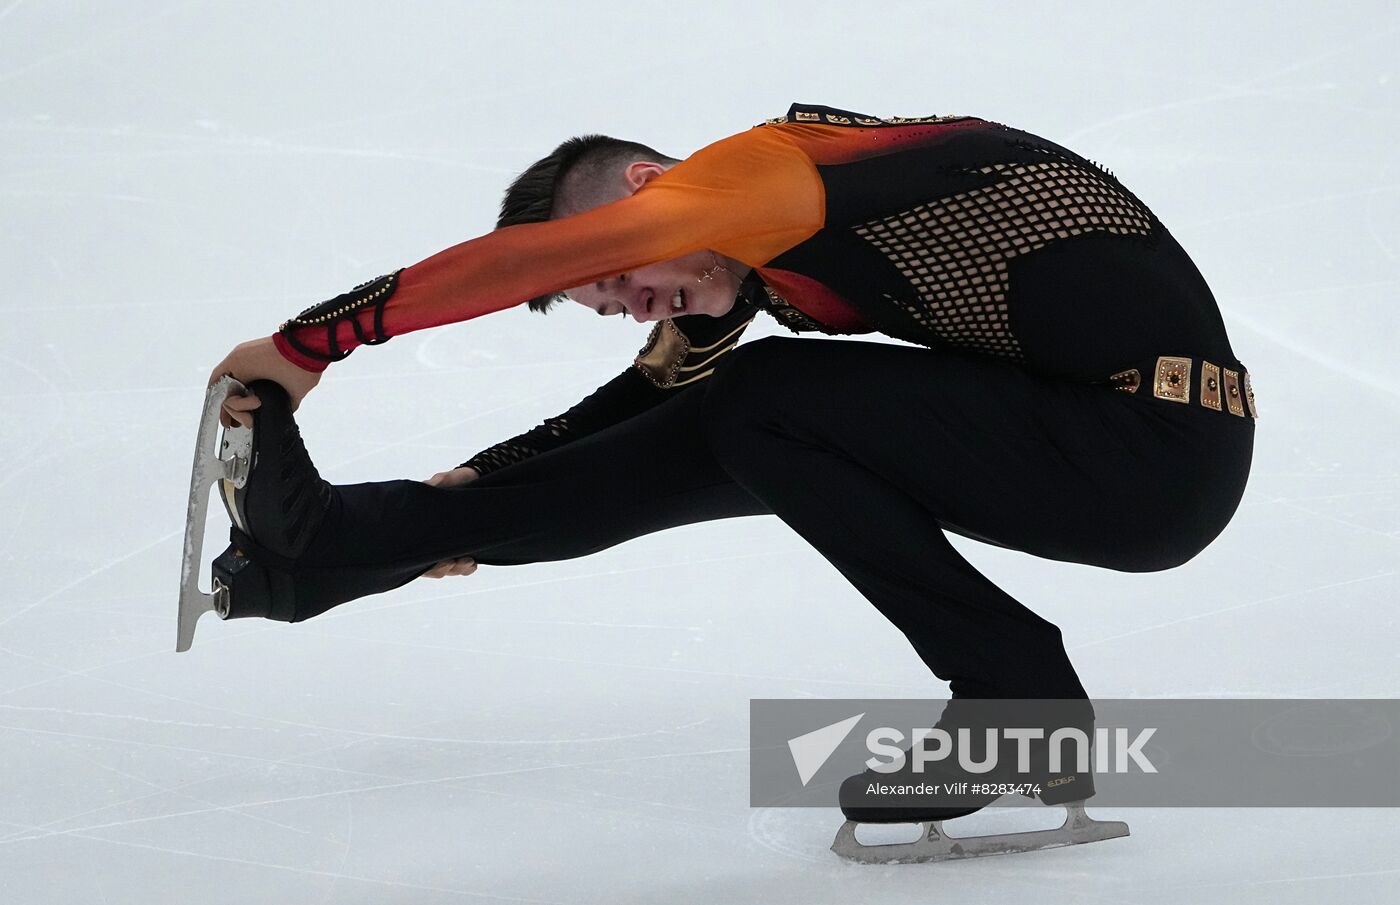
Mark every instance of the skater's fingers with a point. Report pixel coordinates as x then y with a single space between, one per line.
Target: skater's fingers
242 403
230 418
237 409
457 477
463 566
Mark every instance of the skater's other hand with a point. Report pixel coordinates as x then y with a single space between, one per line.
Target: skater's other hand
461 566
454 478
260 360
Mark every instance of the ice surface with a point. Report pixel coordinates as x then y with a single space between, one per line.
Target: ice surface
177 177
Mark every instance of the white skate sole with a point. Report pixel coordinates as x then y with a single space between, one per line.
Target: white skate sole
220 455
934 844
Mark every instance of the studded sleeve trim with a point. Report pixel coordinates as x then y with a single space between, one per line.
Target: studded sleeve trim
362 308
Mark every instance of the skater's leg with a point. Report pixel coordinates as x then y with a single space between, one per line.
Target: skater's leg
870 451
643 475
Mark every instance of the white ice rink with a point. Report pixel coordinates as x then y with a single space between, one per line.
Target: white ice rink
176 177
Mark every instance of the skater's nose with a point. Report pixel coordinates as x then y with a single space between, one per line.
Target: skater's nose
601 296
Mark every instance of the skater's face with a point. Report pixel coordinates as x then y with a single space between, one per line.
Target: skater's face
701 282
668 289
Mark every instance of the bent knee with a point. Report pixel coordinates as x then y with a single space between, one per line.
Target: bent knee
750 388
763 362
1159 557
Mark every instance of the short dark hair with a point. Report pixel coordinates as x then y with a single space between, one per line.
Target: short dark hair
578 168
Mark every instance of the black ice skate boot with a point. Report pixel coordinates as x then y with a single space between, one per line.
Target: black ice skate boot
910 796
942 788
250 588
947 788
275 514
945 794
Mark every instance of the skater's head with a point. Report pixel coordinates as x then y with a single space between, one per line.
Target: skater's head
593 170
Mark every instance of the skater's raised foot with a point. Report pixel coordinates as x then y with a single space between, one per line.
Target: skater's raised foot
274 497
283 500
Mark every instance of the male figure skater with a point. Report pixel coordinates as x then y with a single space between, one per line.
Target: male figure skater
1072 393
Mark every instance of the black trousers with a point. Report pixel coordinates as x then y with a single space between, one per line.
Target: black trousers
870 452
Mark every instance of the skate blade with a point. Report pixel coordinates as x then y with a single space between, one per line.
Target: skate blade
934 844
219 455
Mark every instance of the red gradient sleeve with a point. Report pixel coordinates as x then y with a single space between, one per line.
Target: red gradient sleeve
750 196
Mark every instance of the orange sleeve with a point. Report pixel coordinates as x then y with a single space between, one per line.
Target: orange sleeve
750 196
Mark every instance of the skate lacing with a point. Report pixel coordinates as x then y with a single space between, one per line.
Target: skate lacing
305 495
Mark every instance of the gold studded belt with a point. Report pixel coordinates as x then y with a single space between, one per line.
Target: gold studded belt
1177 379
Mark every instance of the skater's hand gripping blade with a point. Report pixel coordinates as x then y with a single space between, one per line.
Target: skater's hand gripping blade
219 455
934 844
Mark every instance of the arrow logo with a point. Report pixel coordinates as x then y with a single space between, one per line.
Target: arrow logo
810 751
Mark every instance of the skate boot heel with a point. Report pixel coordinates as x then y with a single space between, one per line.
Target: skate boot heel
1063 788
243 589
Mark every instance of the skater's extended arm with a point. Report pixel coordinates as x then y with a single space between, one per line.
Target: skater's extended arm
679 353
749 197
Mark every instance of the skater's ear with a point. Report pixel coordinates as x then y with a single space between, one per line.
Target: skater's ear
640 172
582 173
